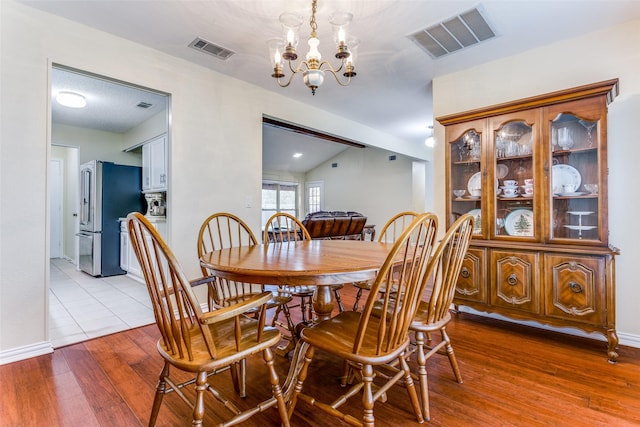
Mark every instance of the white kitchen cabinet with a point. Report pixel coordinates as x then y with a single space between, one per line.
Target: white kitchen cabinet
154 164
128 260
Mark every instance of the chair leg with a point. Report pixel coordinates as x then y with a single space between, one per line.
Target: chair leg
275 387
357 301
452 356
239 377
161 389
276 314
367 396
422 374
336 292
290 325
411 388
302 375
303 308
198 407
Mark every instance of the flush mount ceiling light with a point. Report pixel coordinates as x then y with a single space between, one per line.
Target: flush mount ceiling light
313 68
297 155
71 99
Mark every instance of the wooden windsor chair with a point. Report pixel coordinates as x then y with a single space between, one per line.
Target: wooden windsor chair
366 340
201 343
388 234
224 230
434 313
284 227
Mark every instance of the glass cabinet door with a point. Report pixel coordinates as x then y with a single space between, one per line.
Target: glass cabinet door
514 208
576 182
465 180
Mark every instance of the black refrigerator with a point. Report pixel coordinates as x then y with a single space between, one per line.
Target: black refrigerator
108 192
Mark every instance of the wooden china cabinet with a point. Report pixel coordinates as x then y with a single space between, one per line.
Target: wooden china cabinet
533 172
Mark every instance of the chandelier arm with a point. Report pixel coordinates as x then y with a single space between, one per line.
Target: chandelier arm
288 80
335 75
330 67
299 67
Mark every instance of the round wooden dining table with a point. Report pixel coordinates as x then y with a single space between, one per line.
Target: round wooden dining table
317 263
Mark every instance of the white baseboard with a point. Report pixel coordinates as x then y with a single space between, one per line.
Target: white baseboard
627 339
25 352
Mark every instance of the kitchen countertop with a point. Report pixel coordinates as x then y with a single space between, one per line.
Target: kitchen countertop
151 218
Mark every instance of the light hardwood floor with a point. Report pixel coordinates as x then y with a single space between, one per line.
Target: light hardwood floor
513 376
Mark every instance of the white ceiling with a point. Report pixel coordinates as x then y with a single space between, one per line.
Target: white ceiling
111 106
392 91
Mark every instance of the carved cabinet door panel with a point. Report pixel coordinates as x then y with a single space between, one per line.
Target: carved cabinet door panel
470 286
575 288
515 282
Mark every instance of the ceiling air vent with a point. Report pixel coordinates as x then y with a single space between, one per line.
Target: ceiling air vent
464 30
143 104
212 49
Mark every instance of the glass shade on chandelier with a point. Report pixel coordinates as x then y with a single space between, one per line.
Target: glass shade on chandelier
284 50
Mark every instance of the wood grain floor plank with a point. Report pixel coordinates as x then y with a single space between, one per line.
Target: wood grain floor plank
513 376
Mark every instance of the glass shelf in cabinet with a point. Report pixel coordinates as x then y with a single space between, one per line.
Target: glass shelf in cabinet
575 150
524 156
465 162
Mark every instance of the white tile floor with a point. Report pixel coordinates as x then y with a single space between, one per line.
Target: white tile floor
83 307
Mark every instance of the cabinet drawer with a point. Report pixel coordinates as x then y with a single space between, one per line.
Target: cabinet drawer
515 280
575 287
470 286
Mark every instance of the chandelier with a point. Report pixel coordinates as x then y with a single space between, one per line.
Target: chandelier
313 67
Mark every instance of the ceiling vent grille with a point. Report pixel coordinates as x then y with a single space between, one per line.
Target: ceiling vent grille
143 104
212 49
464 30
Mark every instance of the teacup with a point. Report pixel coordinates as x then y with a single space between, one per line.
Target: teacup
510 183
528 181
510 191
568 188
528 190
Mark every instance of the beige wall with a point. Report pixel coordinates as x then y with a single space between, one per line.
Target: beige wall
95 144
598 56
367 182
214 119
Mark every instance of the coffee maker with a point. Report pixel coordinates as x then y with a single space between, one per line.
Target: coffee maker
156 204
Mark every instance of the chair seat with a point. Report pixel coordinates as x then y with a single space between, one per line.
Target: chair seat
275 301
337 335
227 352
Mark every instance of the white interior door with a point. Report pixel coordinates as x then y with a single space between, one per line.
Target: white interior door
56 192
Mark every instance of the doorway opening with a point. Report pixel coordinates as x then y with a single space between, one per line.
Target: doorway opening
117 121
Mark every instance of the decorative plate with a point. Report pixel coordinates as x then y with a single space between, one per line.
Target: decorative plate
574 194
581 213
581 227
562 175
519 223
475 182
477 220
501 171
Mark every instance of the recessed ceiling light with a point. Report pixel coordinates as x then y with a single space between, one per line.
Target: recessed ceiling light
296 155
71 99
